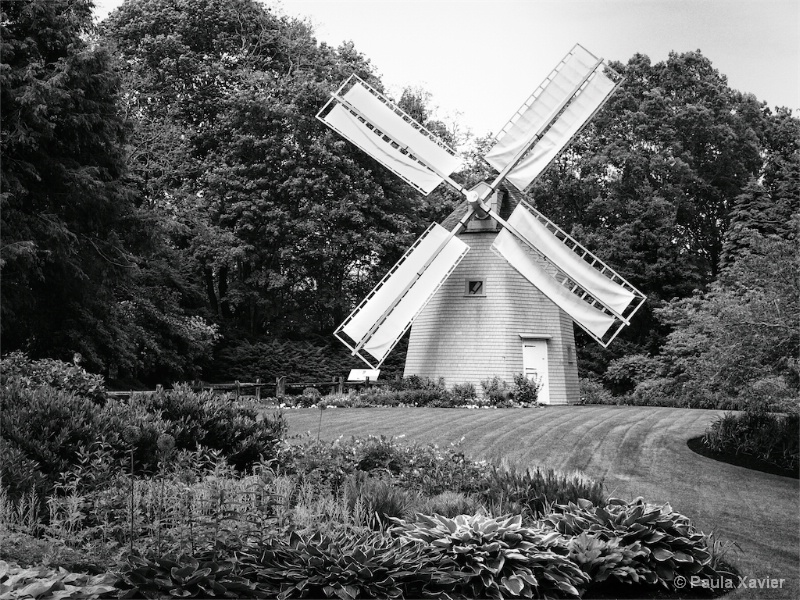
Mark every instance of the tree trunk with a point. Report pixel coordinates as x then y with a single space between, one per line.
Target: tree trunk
222 286
208 275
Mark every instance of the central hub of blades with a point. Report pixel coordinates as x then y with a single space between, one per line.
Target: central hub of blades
475 203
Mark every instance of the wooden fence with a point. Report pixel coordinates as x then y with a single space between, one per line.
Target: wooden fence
278 388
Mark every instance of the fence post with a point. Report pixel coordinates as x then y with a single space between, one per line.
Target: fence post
340 385
258 390
237 390
280 386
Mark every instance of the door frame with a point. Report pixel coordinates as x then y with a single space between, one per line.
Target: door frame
540 342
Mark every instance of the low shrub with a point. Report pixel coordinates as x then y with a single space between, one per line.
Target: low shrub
45 431
437 397
183 577
45 582
593 392
465 392
671 545
767 436
309 397
496 392
496 557
532 492
623 374
53 373
379 453
212 421
416 382
525 391
47 426
343 565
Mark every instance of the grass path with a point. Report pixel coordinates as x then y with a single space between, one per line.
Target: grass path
635 451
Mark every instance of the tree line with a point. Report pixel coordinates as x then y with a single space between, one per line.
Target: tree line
167 194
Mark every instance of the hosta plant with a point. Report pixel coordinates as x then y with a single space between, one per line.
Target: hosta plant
343 565
671 544
41 582
603 560
497 557
183 577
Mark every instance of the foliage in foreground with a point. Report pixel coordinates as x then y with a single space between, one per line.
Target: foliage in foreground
183 576
44 582
361 518
567 554
497 557
665 542
49 432
346 565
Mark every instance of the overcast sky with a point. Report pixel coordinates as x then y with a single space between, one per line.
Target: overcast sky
481 59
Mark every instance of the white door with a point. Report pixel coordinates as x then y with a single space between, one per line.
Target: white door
534 364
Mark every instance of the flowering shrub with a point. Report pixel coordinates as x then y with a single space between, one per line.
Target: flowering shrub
57 374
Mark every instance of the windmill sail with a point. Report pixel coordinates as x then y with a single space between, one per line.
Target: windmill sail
366 118
543 126
376 325
600 283
595 321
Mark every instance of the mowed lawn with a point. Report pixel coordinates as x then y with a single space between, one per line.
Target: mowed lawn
634 451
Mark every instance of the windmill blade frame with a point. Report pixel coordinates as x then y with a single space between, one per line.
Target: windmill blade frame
589 258
385 314
369 120
558 283
551 118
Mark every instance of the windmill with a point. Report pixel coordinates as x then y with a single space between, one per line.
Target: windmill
509 307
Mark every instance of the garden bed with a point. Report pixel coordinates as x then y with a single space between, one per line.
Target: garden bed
178 493
748 461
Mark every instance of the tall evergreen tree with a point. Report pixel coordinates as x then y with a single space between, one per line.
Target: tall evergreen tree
62 202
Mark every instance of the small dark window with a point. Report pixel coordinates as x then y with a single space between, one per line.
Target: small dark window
475 287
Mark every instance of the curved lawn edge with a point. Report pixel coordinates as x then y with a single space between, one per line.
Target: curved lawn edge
634 451
748 461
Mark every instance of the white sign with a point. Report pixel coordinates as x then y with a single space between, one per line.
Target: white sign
363 374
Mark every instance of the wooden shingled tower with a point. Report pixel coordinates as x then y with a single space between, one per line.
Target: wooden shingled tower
495 288
487 305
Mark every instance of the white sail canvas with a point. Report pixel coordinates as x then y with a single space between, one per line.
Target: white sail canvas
579 80
606 291
593 320
397 299
389 136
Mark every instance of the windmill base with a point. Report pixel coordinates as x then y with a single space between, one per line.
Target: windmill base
486 321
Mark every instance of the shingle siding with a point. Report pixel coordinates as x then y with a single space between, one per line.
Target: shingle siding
467 339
